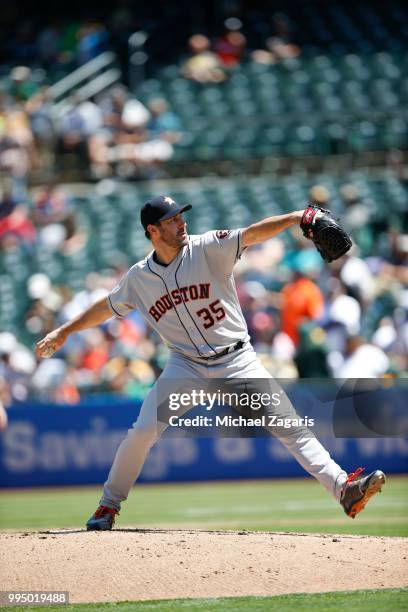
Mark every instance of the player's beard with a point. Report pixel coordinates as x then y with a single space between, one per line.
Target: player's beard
177 241
183 238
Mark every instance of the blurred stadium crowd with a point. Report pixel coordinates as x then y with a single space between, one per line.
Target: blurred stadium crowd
317 78
246 81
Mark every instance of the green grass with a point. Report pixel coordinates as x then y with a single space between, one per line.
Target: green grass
375 600
277 505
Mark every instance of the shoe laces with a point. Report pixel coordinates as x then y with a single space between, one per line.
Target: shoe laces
353 475
103 510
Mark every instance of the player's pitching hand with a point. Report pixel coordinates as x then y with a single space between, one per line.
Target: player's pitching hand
51 343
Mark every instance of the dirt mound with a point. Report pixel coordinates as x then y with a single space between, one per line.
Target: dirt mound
134 564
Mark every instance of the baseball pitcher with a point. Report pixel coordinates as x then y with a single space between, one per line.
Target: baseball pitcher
185 289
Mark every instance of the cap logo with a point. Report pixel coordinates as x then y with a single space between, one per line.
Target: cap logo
169 201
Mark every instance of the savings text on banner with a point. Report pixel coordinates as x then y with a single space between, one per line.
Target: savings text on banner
68 445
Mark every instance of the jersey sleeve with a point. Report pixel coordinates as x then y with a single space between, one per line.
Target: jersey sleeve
223 249
122 298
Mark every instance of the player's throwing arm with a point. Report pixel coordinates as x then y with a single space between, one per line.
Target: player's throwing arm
94 315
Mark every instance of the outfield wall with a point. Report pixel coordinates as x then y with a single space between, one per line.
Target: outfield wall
69 445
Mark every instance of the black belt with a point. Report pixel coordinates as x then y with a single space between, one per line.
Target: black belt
229 349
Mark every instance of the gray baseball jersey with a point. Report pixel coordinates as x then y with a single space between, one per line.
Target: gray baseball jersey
192 303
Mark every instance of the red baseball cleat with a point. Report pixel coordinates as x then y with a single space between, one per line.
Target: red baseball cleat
102 520
357 490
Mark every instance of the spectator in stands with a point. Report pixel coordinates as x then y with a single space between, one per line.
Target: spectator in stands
72 135
386 336
90 122
397 248
363 357
22 86
320 196
16 145
39 111
279 46
99 154
133 115
230 46
93 39
17 365
358 218
302 301
16 227
130 136
343 309
123 116
255 301
67 391
103 139
47 381
18 127
163 123
203 66
358 279
311 354
140 141
54 214
69 41
44 302
96 352
91 115
156 138
51 205
7 201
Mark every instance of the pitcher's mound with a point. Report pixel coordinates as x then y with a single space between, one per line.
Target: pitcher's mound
132 564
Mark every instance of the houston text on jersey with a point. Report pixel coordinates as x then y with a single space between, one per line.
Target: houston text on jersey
182 294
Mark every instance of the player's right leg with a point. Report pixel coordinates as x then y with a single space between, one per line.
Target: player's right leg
133 450
127 465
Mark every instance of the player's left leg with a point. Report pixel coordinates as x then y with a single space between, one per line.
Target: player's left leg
353 491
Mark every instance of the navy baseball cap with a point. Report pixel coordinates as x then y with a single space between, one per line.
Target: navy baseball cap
160 209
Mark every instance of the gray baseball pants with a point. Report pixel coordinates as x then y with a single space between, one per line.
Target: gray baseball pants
243 364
